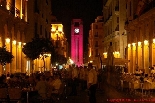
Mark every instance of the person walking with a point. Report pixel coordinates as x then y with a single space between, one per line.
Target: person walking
74 81
92 83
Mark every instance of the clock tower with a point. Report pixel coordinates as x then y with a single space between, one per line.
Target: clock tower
77 41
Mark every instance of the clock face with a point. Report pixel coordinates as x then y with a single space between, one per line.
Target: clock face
76 30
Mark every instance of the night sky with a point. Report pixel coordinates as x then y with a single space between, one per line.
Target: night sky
87 10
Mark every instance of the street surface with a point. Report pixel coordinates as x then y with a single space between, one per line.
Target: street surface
108 94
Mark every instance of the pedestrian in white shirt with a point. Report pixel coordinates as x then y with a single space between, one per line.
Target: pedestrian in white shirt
56 84
42 87
92 83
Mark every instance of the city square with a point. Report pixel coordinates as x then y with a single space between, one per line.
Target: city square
70 51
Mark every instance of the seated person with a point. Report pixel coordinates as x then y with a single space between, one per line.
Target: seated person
42 87
152 70
3 83
55 86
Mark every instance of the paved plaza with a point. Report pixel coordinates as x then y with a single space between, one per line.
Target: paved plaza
109 94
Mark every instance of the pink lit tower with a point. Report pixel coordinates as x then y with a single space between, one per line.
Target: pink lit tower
77 41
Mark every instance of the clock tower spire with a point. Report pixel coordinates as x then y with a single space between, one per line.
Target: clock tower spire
77 41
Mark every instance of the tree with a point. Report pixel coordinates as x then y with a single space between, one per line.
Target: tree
37 48
61 59
5 56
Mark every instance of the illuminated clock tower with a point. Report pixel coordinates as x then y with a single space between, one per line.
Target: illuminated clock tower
77 41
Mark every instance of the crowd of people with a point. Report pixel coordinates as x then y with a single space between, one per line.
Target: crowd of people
139 81
47 85
43 86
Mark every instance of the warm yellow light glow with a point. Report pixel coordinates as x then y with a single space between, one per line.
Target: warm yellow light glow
90 53
8 6
91 61
133 44
19 43
24 43
145 42
47 54
154 41
7 40
129 45
71 61
116 52
105 53
14 42
57 27
139 43
57 31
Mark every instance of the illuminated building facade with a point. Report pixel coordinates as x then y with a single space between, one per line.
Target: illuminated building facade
140 26
13 18
59 39
114 17
96 34
20 21
39 25
77 41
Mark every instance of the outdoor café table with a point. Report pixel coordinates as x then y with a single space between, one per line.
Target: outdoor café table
27 94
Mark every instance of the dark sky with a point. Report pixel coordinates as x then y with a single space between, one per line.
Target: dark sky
87 10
